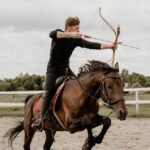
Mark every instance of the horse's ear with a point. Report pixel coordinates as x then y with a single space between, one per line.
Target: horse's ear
117 66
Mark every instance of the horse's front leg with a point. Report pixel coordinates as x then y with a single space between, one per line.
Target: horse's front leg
49 140
106 122
50 133
90 140
79 124
96 121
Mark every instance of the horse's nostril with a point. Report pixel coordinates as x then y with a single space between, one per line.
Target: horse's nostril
121 113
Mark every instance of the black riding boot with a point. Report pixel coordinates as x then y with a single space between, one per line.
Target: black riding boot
39 124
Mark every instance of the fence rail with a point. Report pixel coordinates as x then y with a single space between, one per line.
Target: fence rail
135 102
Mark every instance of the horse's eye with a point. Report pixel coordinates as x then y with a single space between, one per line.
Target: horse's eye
123 84
109 87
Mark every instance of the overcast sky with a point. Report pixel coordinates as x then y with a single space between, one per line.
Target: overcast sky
25 25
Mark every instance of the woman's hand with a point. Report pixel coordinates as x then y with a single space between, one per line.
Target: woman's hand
109 46
114 46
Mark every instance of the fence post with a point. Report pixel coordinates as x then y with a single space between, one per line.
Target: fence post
137 101
13 97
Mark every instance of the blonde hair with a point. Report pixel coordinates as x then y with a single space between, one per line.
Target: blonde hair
72 21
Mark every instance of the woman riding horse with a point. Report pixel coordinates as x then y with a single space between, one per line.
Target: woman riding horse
63 44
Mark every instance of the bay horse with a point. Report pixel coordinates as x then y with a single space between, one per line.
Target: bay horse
78 106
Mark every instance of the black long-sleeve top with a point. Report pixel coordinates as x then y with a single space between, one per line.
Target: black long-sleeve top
62 48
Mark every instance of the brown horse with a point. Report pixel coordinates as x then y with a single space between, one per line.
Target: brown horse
78 106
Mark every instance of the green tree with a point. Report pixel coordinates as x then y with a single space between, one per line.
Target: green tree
22 82
125 75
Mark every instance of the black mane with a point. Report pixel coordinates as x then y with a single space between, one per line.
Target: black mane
94 65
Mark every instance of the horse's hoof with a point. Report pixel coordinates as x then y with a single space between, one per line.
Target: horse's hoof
98 140
85 147
88 144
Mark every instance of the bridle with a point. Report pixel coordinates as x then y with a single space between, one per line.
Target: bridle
103 89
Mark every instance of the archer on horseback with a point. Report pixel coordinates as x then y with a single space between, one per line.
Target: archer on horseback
62 46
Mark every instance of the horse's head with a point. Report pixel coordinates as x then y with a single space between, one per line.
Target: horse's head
111 91
109 85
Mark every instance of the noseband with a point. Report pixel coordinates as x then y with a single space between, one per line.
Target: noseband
103 88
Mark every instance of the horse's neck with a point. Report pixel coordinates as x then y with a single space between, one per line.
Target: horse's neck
89 81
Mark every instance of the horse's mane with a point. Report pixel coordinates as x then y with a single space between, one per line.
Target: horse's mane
94 65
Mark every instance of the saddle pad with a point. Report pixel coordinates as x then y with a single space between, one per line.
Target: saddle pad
54 101
38 104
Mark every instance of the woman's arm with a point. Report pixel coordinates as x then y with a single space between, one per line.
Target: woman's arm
68 35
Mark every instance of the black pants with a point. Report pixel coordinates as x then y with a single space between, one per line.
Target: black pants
50 89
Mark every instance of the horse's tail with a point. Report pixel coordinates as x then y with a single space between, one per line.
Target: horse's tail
13 132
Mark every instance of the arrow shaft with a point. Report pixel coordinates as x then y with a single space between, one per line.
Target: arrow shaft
120 43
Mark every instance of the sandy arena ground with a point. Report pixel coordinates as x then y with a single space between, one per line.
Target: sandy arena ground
132 134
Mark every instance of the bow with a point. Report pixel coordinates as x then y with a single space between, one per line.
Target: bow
115 33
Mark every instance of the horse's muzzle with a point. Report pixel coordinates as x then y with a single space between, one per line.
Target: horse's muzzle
122 114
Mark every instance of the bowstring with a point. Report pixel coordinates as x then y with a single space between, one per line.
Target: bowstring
89 22
86 26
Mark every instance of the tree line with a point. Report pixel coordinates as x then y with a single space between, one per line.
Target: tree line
135 80
24 82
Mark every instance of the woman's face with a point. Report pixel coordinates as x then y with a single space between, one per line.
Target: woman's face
75 28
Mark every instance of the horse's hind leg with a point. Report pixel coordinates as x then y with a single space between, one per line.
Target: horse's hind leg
29 133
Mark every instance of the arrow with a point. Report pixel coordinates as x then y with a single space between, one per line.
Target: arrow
120 43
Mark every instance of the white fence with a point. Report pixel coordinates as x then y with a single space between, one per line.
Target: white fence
135 102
